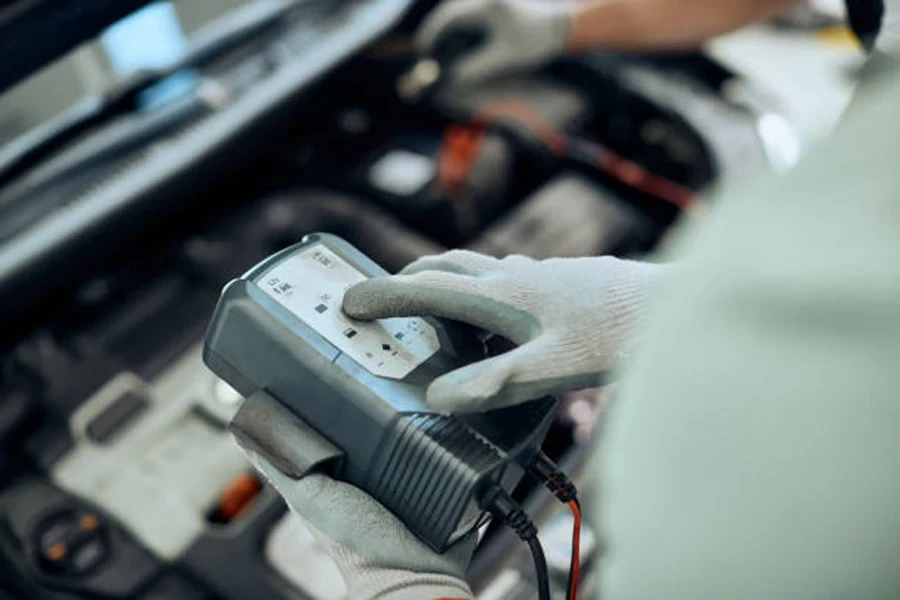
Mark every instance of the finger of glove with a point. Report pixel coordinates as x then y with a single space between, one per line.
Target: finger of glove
349 516
484 385
461 262
447 15
472 300
526 373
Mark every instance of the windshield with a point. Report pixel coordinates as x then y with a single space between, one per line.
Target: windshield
152 37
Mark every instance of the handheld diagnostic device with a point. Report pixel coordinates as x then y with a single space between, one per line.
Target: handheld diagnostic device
330 394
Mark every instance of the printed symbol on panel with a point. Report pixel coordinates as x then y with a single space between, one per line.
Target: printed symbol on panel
386 347
399 335
285 288
273 282
321 308
369 355
325 297
350 333
321 258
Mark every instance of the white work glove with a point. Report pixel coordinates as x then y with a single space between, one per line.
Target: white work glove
379 558
571 319
520 34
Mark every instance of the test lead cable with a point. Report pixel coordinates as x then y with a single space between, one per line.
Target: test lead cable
548 473
503 507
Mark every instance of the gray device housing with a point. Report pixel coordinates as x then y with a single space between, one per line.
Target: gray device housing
310 408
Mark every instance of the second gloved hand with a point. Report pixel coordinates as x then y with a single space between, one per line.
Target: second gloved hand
520 34
571 319
377 555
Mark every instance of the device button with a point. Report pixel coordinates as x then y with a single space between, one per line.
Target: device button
116 416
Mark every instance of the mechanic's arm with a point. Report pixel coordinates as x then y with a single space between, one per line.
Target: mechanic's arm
526 33
661 24
752 452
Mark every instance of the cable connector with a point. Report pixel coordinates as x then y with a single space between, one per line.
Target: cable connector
546 471
502 506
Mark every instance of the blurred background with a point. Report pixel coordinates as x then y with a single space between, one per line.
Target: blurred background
807 68
151 152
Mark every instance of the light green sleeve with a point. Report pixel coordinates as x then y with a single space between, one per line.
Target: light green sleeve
754 450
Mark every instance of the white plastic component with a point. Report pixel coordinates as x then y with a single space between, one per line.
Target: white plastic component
311 284
402 172
293 552
226 394
160 475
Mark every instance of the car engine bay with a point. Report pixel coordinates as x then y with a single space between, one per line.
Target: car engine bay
118 477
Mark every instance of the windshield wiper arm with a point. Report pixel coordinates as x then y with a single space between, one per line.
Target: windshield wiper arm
225 34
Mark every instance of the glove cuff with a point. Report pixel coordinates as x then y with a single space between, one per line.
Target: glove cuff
418 589
371 583
366 581
554 20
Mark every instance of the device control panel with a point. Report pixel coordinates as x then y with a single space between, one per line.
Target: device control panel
311 284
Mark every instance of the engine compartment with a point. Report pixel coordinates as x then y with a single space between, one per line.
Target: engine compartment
112 433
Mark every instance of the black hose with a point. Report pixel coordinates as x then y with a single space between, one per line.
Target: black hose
377 233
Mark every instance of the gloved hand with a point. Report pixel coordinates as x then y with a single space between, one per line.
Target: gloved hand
571 319
520 34
377 555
